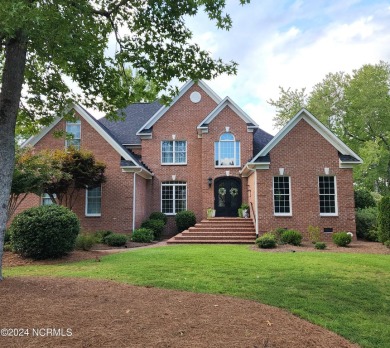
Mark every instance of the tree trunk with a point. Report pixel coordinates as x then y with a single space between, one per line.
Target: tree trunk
11 88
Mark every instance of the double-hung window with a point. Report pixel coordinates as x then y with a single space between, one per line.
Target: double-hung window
328 195
227 151
174 152
73 134
93 201
282 195
173 197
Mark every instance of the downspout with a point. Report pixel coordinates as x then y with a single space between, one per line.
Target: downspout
134 199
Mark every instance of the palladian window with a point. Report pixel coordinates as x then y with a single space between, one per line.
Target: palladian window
227 151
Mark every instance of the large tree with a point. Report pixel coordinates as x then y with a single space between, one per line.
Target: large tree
356 108
44 43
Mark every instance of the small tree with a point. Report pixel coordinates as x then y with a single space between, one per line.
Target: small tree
384 219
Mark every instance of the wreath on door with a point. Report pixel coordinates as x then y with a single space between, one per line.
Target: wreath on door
234 191
222 191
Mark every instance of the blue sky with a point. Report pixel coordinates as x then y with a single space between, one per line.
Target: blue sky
292 44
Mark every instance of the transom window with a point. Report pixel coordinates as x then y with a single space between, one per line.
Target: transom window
327 195
174 152
93 201
73 134
227 151
173 197
282 196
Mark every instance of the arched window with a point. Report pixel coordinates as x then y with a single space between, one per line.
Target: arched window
227 151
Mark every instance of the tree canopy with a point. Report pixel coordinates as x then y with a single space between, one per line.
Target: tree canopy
44 44
356 108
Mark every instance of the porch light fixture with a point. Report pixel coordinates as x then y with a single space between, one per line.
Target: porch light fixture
210 181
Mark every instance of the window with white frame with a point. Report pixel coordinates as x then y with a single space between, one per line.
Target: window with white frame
174 152
173 197
73 134
282 195
327 195
93 201
227 151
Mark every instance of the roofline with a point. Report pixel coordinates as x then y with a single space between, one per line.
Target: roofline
182 90
227 101
318 126
96 126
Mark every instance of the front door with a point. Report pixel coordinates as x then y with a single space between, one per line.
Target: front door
227 196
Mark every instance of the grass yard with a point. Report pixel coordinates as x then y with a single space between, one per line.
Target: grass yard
345 293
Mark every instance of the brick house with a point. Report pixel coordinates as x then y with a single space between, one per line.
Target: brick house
204 152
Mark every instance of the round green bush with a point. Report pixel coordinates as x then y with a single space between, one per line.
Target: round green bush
277 232
44 232
157 215
115 239
142 235
341 239
292 237
366 222
184 220
320 245
7 236
157 226
101 235
384 219
266 241
85 242
364 199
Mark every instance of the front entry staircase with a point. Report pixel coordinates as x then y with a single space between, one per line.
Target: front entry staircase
218 231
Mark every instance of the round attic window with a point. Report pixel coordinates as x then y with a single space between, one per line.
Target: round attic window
195 97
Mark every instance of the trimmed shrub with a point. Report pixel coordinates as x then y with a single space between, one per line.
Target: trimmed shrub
85 242
44 232
314 234
384 219
366 221
320 245
364 199
184 220
387 243
7 247
292 237
157 215
157 226
266 241
142 235
7 236
115 239
277 232
101 235
341 239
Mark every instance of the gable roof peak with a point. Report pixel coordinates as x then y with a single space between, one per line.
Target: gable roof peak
318 126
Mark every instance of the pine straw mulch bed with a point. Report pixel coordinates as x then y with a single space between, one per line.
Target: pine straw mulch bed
90 313
108 314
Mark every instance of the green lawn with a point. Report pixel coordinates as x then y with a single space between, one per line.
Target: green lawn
346 293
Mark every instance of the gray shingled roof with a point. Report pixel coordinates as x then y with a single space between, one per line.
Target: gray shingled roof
347 158
260 140
136 115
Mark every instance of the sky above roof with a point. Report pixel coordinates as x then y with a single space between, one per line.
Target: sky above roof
292 44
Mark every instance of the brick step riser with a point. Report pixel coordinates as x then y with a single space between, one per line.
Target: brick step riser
216 234
223 225
250 238
203 241
221 229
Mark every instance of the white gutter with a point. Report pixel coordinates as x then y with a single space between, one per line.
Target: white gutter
134 194
256 201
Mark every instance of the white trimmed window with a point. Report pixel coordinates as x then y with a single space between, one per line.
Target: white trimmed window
227 151
174 152
327 195
173 197
282 196
73 134
93 201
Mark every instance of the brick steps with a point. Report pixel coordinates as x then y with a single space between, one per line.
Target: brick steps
218 231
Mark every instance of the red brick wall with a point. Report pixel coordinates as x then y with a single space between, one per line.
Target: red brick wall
117 192
304 153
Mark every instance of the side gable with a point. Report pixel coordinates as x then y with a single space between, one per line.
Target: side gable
130 161
347 157
227 102
146 130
